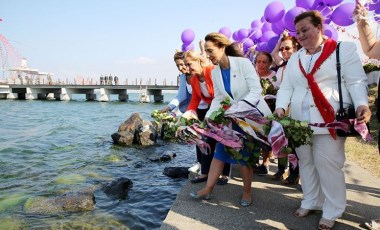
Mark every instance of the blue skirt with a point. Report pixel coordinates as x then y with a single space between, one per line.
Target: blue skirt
222 155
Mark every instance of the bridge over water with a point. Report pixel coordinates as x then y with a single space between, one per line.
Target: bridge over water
64 92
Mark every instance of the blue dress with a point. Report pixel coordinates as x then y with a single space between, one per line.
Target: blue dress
220 152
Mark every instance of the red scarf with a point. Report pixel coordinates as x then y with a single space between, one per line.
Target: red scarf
324 107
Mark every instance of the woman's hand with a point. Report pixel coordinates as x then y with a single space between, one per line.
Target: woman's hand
190 114
363 114
280 112
360 12
164 110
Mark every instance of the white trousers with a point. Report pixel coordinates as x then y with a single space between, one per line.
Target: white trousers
322 177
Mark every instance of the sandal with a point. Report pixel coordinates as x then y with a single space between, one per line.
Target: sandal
325 224
222 181
292 180
302 212
374 225
279 175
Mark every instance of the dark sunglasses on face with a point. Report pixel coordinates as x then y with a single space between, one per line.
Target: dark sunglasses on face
287 48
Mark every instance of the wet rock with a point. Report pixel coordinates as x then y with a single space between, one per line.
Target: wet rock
69 202
123 138
118 188
132 123
135 130
176 172
146 134
165 156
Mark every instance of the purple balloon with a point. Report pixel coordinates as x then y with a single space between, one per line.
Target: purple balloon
256 34
272 43
330 32
247 43
293 33
278 27
256 23
290 15
342 15
187 47
262 19
226 31
235 36
267 36
317 3
262 46
332 2
266 27
187 36
243 33
326 12
274 11
373 6
377 11
306 4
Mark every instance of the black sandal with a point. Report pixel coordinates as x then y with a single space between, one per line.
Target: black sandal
292 180
279 175
222 181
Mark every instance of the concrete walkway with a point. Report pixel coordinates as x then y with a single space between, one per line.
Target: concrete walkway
273 205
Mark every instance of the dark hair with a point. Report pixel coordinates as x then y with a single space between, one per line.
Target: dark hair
316 17
179 55
269 56
293 40
234 50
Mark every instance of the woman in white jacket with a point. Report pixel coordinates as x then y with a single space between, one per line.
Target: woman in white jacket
236 79
310 87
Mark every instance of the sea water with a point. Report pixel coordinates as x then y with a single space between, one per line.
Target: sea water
48 148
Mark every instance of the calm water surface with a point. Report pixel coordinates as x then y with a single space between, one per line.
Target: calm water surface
48 148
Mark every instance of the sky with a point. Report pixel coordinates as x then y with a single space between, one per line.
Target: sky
132 39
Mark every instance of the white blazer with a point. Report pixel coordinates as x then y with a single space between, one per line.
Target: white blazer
294 89
245 84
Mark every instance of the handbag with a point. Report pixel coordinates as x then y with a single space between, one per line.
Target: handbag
344 113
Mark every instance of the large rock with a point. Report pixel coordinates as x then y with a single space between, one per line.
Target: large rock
176 172
69 202
132 123
123 138
118 188
135 130
146 134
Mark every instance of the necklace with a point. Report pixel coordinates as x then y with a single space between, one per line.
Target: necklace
310 61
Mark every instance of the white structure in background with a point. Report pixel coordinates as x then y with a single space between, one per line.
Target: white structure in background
28 76
143 95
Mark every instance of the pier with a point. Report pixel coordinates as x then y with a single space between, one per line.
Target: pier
64 92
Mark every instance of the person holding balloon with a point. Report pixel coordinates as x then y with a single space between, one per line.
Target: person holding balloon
203 92
310 84
371 48
236 79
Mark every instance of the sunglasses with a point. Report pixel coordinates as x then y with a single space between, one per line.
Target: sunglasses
287 48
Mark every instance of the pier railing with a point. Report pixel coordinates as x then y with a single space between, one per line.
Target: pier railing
64 92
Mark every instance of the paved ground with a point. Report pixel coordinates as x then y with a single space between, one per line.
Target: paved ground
273 205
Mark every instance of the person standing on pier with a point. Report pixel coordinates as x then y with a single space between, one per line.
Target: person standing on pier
182 100
235 78
202 92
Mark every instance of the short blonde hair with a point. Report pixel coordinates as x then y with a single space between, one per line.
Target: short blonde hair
195 56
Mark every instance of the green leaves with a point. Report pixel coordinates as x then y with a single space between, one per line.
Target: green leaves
298 132
268 87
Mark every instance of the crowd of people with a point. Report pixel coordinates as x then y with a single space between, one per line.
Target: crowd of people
301 72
